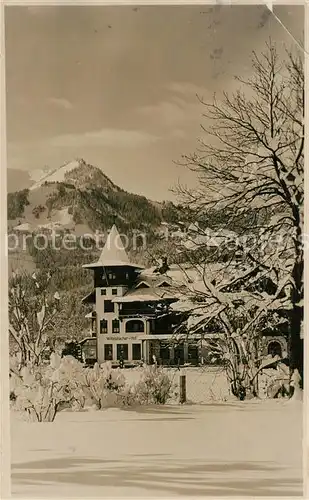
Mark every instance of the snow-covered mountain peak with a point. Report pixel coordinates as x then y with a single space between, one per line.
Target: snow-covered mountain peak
59 174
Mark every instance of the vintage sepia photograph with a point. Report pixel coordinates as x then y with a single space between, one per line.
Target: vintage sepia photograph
155 250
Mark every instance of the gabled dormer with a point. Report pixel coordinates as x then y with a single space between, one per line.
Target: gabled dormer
163 284
142 284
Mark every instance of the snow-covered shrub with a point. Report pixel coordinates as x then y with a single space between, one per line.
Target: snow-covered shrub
103 385
155 386
245 364
274 382
42 390
33 311
296 384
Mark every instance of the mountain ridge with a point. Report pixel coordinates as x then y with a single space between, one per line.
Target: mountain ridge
78 194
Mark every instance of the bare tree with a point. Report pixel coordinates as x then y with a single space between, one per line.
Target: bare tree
231 306
252 159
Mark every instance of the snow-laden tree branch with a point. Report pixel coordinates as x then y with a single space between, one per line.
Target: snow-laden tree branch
250 165
32 312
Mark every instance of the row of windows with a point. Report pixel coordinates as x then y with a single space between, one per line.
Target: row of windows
104 326
113 276
123 352
131 326
104 291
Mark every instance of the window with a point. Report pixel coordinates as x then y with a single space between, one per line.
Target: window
238 256
114 291
134 325
103 291
108 352
89 349
122 351
103 326
193 354
274 349
136 352
111 276
165 351
108 306
179 354
116 326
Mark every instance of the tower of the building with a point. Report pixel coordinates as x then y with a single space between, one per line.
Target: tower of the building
114 274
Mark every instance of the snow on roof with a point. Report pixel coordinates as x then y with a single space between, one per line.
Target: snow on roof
208 237
113 253
85 339
192 278
194 226
152 279
113 248
176 275
111 263
91 315
182 305
176 278
186 304
179 234
147 295
23 227
144 282
89 298
198 241
175 337
50 225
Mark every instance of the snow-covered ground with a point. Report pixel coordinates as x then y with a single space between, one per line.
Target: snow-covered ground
222 449
203 385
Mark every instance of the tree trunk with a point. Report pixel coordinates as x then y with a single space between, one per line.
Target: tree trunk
296 348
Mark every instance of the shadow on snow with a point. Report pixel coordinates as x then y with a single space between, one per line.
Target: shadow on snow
168 476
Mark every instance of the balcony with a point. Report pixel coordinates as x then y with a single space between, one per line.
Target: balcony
140 311
136 314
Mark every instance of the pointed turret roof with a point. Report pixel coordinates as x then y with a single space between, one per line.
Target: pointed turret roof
113 253
113 249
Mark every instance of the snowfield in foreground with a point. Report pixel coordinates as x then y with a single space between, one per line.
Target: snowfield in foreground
223 449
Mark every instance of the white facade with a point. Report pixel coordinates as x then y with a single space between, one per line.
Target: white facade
112 331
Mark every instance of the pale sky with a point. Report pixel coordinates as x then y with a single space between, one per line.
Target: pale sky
117 85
